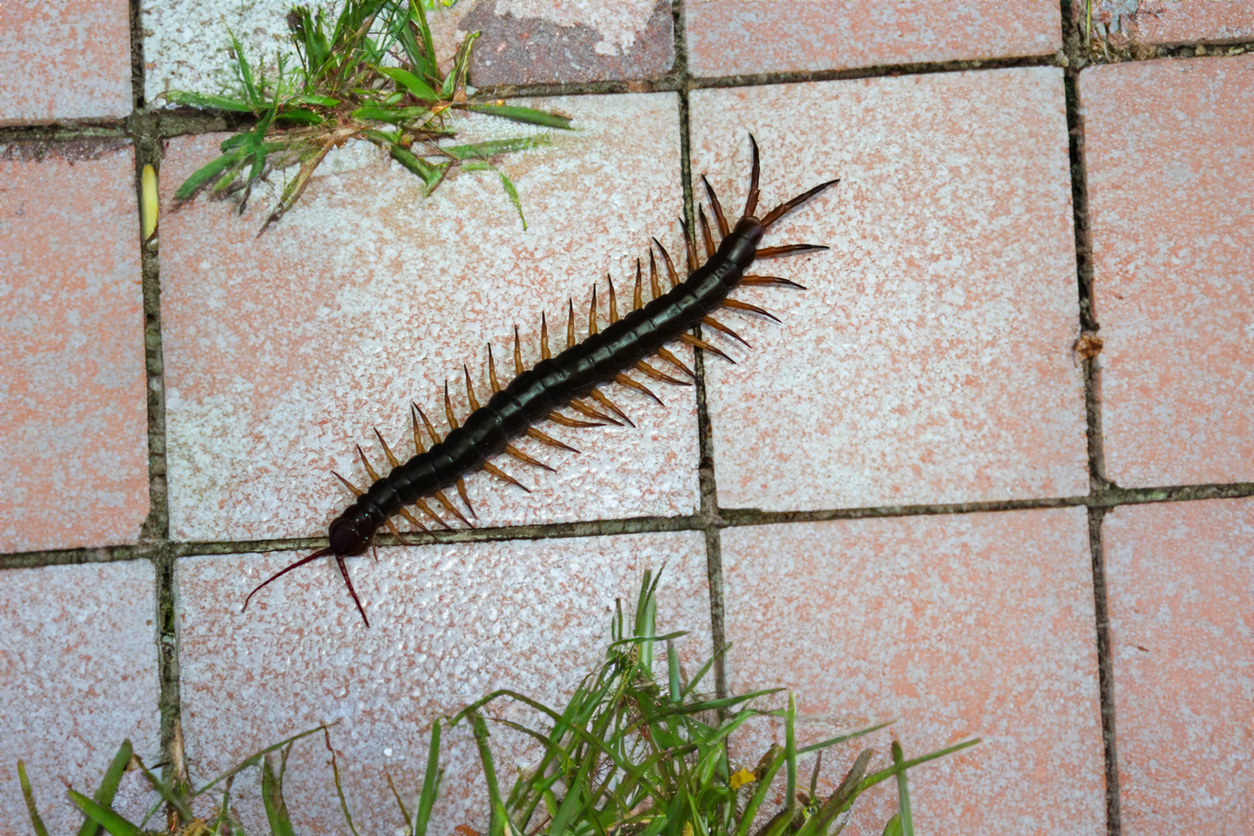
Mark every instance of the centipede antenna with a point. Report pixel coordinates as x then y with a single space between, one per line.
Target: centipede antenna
570 323
353 489
716 208
706 237
503 476
737 305
690 246
559 418
387 452
461 491
448 409
637 385
339 561
599 396
284 571
435 437
374 477
451 508
426 509
413 416
518 364
583 409
759 280
704 346
657 375
751 204
718 326
789 249
636 301
613 301
511 450
549 440
544 337
492 381
787 206
592 313
676 362
670 265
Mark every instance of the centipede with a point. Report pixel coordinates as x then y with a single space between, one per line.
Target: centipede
573 378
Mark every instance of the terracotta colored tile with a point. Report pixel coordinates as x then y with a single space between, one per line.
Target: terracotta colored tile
73 415
1170 21
449 624
931 359
64 61
964 626
536 41
282 352
1172 247
1180 580
729 37
77 676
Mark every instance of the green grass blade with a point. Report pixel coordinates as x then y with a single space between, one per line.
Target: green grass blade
416 86
256 758
790 754
497 826
893 828
272 800
104 816
204 174
299 116
430 784
430 174
29 795
424 31
109 786
208 101
339 788
903 792
897 768
493 147
168 795
527 115
245 74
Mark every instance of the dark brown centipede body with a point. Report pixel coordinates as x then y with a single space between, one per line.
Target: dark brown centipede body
565 380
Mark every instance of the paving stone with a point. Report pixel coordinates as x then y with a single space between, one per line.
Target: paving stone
955 627
449 624
931 359
1172 245
1180 582
1168 22
74 418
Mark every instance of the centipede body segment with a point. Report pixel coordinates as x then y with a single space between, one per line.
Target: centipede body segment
570 379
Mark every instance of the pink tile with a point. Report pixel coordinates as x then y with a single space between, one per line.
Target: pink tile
74 418
77 676
965 626
1172 247
450 623
931 360
729 37
282 352
537 41
64 61
1180 582
1171 21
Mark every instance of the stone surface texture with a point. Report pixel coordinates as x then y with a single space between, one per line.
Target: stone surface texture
76 678
956 627
1173 241
283 352
931 358
1181 578
73 417
1170 21
64 61
449 624
731 37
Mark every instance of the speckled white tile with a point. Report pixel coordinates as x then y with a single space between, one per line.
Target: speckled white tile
962 626
78 674
449 624
282 352
931 358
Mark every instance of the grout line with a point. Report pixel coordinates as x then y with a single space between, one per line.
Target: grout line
1105 673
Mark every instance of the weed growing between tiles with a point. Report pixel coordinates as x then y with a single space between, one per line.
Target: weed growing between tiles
634 751
342 90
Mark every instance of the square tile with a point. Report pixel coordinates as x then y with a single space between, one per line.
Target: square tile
1172 246
1170 21
963 626
931 359
75 418
64 61
77 677
283 351
1180 582
731 37
449 624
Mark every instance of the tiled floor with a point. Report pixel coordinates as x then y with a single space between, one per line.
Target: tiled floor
928 377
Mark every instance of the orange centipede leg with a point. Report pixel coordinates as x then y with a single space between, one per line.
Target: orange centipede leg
374 477
503 476
751 203
518 363
759 280
559 418
790 249
511 450
592 313
636 301
704 346
670 265
570 323
637 385
706 237
676 362
717 208
600 398
549 440
448 409
492 381
657 375
787 206
718 326
584 409
544 337
356 491
737 305
690 246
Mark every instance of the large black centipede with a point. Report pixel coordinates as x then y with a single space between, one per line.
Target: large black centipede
535 395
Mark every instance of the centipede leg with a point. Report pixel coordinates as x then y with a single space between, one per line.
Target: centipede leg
503 476
637 385
718 326
600 398
789 249
706 238
716 208
737 305
550 441
513 451
676 362
751 203
704 346
657 375
788 205
584 409
761 280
